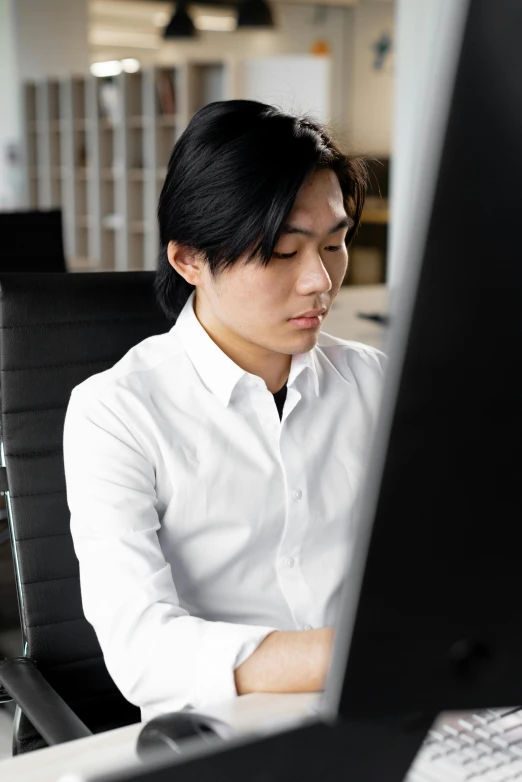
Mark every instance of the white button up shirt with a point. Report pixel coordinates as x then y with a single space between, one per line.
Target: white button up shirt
201 521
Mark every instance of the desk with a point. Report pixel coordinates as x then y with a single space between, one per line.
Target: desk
342 320
116 749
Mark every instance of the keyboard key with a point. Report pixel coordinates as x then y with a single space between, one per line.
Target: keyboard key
508 722
489 761
501 757
505 710
471 753
476 767
468 736
482 718
494 775
453 743
515 767
451 729
483 733
452 771
513 736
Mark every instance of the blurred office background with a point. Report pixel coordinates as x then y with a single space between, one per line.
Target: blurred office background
93 97
94 94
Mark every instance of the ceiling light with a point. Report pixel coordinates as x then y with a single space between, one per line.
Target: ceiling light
108 68
215 23
254 13
130 65
181 25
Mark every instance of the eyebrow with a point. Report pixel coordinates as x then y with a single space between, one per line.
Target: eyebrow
346 222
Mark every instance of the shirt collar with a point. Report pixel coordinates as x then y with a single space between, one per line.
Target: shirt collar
218 372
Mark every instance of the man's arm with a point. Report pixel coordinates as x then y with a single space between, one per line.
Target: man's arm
287 662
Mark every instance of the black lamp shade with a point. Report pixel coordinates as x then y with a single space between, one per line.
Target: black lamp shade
254 13
181 25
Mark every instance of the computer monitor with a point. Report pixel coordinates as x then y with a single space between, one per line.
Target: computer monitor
431 616
438 622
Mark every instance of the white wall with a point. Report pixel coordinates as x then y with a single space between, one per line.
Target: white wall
370 110
9 103
52 37
38 38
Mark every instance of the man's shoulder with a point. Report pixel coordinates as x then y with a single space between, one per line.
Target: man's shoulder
135 370
349 353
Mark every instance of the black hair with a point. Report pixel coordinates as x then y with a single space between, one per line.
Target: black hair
231 182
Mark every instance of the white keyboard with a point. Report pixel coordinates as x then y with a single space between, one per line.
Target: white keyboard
481 747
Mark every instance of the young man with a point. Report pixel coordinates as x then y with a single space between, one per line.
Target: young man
212 472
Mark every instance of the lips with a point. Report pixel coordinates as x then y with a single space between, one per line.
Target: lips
310 314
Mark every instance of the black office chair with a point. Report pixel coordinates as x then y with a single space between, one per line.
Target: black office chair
32 241
56 330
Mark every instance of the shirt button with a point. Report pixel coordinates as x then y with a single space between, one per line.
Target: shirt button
308 627
289 562
297 494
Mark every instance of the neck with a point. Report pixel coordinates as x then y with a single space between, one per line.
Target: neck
270 366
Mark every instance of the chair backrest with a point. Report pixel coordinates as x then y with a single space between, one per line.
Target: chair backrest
32 241
56 330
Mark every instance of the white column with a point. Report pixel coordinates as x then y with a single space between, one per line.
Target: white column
428 40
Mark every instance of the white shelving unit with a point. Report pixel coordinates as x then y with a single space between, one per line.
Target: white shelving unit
98 149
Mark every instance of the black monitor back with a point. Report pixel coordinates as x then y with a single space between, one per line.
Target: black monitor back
438 622
32 241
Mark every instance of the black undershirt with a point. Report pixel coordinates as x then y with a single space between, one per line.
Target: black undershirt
279 398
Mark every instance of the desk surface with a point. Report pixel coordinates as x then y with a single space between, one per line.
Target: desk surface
115 750
342 320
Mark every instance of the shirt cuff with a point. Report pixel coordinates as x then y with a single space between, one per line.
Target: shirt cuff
230 646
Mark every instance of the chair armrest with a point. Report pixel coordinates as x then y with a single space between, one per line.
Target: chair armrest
54 720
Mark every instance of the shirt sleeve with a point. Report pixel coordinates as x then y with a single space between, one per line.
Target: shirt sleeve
161 658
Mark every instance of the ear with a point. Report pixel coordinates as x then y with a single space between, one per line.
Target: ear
186 261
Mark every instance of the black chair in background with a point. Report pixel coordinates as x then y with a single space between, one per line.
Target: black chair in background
32 241
29 242
56 330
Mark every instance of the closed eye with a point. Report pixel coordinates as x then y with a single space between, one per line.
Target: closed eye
331 249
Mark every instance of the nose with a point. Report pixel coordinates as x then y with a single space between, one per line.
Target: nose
313 277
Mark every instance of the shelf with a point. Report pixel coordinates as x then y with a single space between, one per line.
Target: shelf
138 122
106 155
136 174
138 226
113 222
375 210
110 173
374 216
167 120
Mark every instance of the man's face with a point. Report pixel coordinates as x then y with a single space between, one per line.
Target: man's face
255 307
